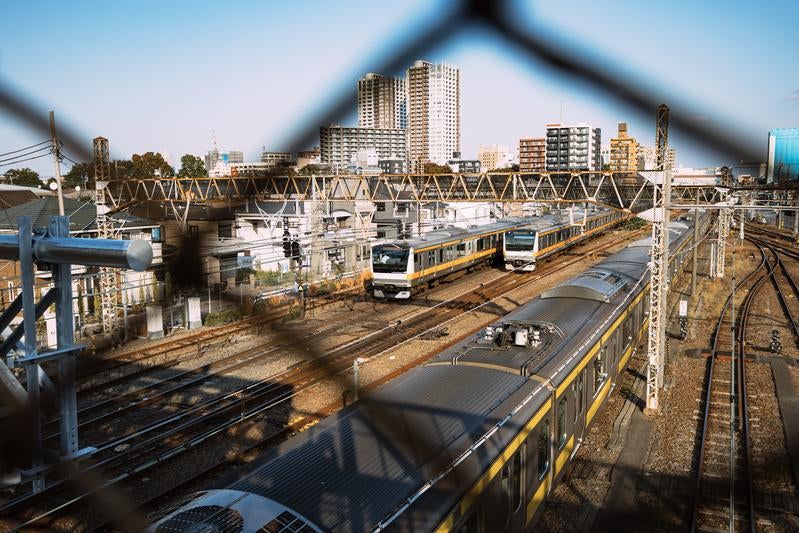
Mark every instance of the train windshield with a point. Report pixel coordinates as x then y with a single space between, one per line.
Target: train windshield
389 258
519 240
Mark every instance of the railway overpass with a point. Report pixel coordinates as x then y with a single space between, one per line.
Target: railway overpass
630 192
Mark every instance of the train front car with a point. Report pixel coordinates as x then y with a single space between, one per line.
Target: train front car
391 268
519 248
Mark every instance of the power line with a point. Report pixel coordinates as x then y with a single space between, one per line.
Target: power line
23 160
23 149
25 154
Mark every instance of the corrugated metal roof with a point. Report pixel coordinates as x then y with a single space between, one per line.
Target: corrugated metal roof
82 214
352 469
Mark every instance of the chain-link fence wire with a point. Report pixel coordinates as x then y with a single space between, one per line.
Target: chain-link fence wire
497 18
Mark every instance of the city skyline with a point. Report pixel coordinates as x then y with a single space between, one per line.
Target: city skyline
152 97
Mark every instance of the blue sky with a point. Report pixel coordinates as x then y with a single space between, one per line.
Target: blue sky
162 75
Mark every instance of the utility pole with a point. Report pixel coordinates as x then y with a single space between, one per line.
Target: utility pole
695 251
659 261
57 163
109 295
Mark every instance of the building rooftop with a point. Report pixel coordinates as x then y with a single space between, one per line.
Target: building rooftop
82 214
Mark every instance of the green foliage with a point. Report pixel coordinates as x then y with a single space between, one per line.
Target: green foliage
121 169
281 171
506 170
81 304
309 170
225 316
634 224
192 166
148 164
269 277
23 176
433 168
80 174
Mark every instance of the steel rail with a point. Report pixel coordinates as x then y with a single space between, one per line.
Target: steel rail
709 392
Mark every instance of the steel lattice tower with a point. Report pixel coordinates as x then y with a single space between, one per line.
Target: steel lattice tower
659 262
109 292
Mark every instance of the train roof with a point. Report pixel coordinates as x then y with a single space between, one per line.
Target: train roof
441 236
357 466
563 317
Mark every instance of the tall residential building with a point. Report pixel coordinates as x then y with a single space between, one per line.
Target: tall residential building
623 151
533 154
434 113
494 157
338 144
382 102
571 148
647 157
783 155
215 157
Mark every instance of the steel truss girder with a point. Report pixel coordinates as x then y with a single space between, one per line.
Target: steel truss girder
630 192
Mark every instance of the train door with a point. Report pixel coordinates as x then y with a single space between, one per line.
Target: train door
511 505
578 392
537 467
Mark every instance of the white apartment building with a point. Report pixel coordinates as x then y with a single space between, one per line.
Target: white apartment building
573 147
434 113
382 102
338 144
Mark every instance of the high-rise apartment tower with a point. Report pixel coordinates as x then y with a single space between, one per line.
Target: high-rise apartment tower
434 113
382 102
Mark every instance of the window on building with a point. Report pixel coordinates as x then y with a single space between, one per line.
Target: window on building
225 231
157 234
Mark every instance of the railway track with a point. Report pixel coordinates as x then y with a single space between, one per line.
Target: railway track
188 428
723 494
137 362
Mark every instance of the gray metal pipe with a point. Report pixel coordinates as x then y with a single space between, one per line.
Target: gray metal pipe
136 254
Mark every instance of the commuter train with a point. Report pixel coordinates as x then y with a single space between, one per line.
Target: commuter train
473 441
522 247
403 268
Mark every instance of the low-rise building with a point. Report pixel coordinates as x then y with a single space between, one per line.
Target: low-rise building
463 166
494 157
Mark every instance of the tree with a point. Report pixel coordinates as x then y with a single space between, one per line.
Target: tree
192 166
121 169
23 176
149 164
433 168
80 174
314 169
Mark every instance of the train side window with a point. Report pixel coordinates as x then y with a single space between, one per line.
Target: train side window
461 248
543 449
561 421
627 332
440 255
599 369
580 396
